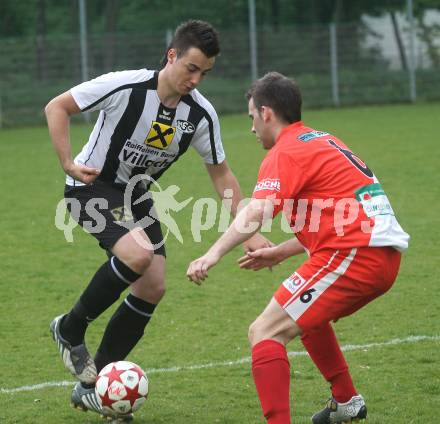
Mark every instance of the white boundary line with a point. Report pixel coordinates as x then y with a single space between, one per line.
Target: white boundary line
345 348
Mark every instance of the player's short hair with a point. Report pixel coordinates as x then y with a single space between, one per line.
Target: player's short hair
194 33
278 92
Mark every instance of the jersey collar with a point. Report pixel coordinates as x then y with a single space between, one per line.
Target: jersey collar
295 127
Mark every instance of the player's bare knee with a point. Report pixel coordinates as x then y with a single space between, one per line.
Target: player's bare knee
141 260
251 333
256 332
262 329
151 290
158 291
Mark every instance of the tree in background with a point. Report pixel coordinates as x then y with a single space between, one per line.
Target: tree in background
429 33
41 28
111 19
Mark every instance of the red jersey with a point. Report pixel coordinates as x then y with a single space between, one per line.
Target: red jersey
329 196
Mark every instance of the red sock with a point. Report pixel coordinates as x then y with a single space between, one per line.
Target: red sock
271 371
325 352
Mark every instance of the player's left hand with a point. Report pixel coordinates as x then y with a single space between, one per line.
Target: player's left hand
267 257
198 269
257 241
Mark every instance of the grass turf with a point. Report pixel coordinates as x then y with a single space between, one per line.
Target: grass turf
42 275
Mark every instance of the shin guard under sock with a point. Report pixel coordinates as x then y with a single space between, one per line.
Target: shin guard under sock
271 372
323 348
111 279
124 330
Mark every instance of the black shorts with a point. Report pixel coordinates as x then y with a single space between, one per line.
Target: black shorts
99 208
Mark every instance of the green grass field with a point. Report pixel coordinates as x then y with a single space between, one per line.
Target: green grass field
197 330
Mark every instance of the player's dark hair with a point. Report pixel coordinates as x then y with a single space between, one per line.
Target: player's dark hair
194 33
278 92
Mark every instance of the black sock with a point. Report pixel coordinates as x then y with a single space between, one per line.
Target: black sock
74 325
124 330
103 290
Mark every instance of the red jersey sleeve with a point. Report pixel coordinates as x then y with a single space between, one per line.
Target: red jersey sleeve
280 178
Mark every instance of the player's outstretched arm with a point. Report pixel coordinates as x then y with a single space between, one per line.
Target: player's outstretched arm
225 182
58 112
270 256
245 225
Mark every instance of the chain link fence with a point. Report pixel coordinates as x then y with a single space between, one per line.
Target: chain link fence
335 66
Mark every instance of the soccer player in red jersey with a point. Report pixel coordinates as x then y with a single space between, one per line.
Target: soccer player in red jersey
341 218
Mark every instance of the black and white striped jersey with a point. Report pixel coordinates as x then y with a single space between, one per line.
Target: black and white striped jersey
136 134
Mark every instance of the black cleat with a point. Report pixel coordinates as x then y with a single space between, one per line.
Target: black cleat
76 358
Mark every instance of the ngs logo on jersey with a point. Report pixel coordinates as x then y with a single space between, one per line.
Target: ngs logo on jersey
185 126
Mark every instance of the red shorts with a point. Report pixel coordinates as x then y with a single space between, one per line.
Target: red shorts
335 283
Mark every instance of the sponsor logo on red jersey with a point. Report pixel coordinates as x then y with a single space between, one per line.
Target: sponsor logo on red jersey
268 184
305 137
294 282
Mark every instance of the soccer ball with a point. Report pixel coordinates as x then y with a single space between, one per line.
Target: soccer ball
121 387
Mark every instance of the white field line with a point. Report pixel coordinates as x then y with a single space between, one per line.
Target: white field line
345 348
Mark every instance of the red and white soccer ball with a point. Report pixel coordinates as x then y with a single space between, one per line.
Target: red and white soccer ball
121 387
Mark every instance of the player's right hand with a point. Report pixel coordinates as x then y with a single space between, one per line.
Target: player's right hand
82 173
198 269
266 257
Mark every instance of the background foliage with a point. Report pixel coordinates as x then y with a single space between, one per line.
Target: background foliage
39 17
42 275
40 49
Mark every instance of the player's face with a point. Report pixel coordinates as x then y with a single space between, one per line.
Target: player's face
187 71
259 127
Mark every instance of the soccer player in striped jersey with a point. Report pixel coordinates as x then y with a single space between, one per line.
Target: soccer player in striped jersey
341 218
147 120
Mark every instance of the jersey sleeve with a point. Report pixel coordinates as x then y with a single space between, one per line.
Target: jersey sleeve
207 139
101 92
280 178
